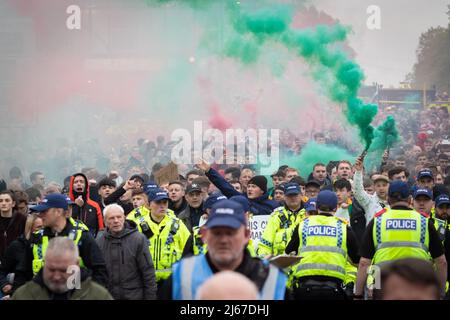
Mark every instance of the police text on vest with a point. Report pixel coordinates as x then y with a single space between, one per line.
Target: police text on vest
401 224
322 231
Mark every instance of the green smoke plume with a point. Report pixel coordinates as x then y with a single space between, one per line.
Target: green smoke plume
257 26
314 153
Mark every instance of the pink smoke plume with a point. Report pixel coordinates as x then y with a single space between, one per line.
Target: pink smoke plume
216 120
61 66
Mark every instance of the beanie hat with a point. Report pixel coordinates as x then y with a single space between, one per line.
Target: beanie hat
259 181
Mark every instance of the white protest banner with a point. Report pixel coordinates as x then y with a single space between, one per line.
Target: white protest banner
257 224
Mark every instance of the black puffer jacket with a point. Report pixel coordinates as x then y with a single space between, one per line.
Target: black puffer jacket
129 264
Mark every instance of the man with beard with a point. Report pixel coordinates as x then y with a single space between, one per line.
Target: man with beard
52 282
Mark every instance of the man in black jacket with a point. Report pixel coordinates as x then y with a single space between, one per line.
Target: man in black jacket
194 210
105 188
131 184
52 211
177 202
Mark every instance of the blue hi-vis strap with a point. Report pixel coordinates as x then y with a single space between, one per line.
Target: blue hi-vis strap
339 233
304 231
423 229
378 229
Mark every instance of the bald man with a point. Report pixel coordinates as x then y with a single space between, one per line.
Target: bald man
228 285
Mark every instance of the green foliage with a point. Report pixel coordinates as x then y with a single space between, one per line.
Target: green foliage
433 60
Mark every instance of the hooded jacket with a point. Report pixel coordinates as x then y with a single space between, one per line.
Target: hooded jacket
90 213
129 264
258 206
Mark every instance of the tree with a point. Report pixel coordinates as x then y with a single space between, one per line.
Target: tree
433 60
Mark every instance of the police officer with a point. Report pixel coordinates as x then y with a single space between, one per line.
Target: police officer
199 247
441 215
53 212
169 237
143 211
440 219
325 244
281 223
397 233
423 202
227 235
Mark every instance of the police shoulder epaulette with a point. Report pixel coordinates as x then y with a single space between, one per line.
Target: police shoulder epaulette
426 215
379 213
342 219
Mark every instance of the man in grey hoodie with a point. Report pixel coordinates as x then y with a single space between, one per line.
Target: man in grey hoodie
128 260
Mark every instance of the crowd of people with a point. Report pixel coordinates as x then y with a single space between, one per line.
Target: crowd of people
132 233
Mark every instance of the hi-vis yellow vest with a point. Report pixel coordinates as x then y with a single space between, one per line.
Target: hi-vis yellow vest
278 232
441 227
144 211
40 244
167 240
323 246
399 234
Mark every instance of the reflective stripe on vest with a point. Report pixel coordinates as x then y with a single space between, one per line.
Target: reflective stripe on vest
164 270
190 273
186 280
323 249
400 244
270 285
321 266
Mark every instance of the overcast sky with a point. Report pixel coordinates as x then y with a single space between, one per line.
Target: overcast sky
388 54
